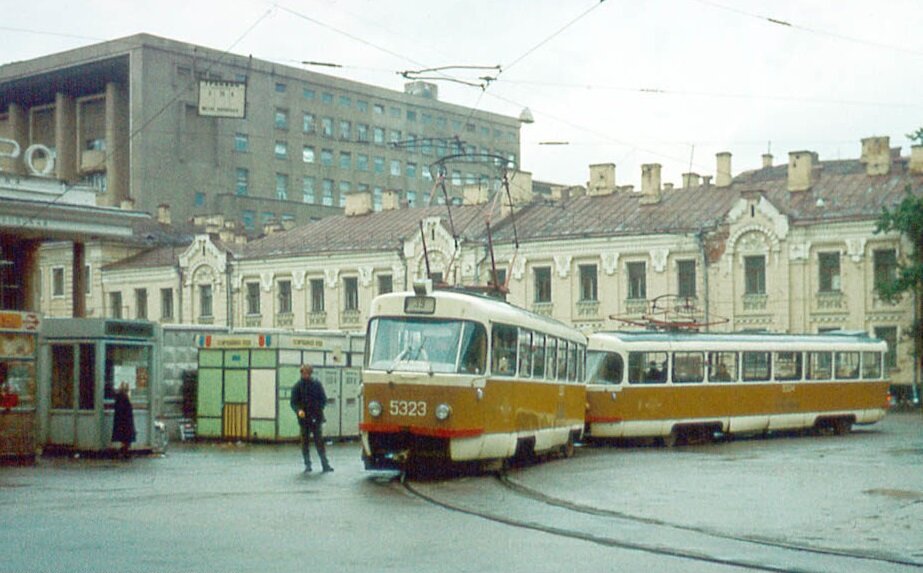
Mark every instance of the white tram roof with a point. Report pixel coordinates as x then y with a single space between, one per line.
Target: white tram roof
650 340
466 305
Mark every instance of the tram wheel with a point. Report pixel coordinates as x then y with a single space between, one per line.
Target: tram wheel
567 450
842 426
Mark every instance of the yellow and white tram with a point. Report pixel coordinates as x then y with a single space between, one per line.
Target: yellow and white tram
452 376
671 386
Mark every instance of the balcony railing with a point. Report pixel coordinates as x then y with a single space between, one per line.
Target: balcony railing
588 309
253 320
543 308
317 319
350 317
755 302
635 305
285 319
830 300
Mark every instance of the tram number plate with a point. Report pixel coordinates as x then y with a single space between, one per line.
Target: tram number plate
407 408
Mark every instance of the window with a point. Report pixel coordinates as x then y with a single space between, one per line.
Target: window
503 353
281 186
326 98
378 164
205 301
281 150
378 135
346 160
350 293
307 123
115 304
253 298
326 126
385 284
788 366
820 366
685 278
327 185
871 365
326 157
378 109
281 119
588 284
280 88
362 162
346 129
394 111
241 142
87 279
722 367
889 335
688 367
542 288
411 115
525 353
647 367
345 101
285 296
199 199
166 303
57 281
755 275
362 105
394 136
307 93
317 295
885 266
756 366
411 198
249 218
141 303
637 280
345 188
411 170
395 168
828 265
847 365
243 181
362 132
307 190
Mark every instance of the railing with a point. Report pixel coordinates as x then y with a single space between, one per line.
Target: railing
285 319
253 320
317 318
635 306
588 309
754 302
543 308
350 317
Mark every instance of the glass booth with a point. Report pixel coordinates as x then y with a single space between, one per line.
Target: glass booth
83 361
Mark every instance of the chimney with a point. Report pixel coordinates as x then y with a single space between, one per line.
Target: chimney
800 168
214 224
602 179
273 226
288 224
650 183
163 214
390 200
916 159
723 173
474 194
520 191
876 154
667 186
358 204
767 160
706 180
690 180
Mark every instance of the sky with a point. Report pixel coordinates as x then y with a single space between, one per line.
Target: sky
627 82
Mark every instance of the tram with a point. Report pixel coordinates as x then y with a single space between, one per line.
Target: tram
681 386
453 376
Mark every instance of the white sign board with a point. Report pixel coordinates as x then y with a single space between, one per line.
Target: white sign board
222 99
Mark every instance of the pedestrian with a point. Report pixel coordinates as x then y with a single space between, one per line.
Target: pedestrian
123 422
308 401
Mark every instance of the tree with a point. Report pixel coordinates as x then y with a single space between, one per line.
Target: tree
907 218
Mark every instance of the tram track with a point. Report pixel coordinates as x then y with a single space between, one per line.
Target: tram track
516 505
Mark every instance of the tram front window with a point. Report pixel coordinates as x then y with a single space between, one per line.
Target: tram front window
604 367
429 345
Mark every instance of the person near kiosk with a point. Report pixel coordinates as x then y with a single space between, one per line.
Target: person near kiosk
307 401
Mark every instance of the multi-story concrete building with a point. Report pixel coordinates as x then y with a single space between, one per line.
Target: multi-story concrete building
785 248
151 122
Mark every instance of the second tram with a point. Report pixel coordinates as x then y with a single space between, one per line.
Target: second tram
675 386
452 376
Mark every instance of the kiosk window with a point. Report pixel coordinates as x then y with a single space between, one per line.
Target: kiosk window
87 376
62 376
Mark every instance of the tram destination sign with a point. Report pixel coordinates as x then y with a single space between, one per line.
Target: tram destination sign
419 305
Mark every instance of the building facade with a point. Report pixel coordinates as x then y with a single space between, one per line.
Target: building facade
132 118
785 248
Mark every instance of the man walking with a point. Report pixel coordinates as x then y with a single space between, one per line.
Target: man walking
308 401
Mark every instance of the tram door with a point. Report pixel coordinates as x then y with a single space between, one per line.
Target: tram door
74 420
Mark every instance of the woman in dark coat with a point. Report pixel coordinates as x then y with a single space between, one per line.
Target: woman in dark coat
123 423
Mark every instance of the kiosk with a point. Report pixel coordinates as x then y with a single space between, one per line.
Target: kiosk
18 347
82 362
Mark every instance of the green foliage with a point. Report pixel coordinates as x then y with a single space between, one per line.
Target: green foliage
907 219
916 136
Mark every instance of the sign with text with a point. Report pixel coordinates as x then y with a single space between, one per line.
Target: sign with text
222 99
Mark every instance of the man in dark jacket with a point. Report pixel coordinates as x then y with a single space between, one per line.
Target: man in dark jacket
308 401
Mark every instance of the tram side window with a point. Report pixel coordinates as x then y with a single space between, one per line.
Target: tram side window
572 362
756 366
647 367
581 363
503 358
847 365
688 367
788 365
474 349
551 358
820 366
606 367
562 360
538 356
722 367
871 365
525 353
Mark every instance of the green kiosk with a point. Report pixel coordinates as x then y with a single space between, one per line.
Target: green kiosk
245 382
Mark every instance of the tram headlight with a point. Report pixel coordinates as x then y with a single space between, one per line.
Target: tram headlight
375 408
443 411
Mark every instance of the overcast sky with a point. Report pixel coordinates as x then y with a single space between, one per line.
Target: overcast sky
621 81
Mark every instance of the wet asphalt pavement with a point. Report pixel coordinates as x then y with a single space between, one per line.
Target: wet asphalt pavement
815 503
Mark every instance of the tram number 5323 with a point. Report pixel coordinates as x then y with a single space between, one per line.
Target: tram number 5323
407 408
